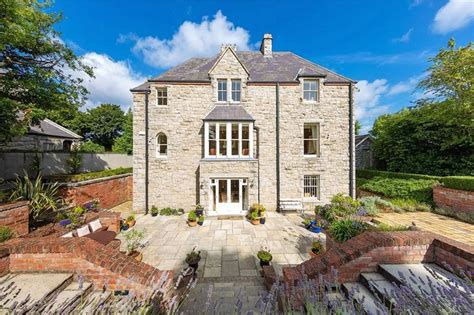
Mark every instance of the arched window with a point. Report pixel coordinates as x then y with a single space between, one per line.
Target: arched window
161 145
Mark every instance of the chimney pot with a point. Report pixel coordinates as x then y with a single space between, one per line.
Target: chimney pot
266 45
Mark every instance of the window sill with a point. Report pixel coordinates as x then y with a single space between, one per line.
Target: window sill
161 157
306 156
310 102
311 199
161 106
243 159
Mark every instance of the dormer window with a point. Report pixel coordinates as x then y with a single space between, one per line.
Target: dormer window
161 97
235 90
222 90
310 90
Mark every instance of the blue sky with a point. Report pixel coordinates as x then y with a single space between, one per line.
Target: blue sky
382 44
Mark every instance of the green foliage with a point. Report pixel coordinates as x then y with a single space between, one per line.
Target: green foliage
345 229
264 255
341 206
417 189
201 219
383 227
409 205
360 181
5 233
74 162
91 175
103 124
369 174
193 257
317 247
42 197
459 182
40 71
171 211
370 204
192 217
357 127
254 215
154 211
91 147
79 210
258 208
134 239
130 218
124 143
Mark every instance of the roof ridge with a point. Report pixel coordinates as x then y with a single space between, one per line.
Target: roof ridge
316 64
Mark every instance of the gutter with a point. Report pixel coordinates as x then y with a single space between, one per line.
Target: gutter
146 150
277 105
351 142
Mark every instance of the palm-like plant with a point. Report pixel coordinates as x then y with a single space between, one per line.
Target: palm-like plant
42 197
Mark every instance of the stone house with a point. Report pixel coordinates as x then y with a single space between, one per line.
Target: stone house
243 127
43 137
364 151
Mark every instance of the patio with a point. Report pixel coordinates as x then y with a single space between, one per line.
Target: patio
228 247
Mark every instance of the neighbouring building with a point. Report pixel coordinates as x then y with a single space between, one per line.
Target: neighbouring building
364 151
243 127
43 137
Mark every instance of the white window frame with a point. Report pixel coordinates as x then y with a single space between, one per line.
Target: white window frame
232 90
314 183
318 139
228 140
227 91
318 91
162 88
158 146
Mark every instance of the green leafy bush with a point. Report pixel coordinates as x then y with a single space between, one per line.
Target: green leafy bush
417 189
345 229
171 211
264 255
74 161
91 147
154 211
91 175
459 182
369 174
192 217
341 206
5 233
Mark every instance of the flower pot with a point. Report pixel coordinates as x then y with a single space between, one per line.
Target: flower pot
136 255
245 151
255 222
131 223
199 213
315 229
200 223
314 254
194 266
154 214
212 151
192 223
124 227
262 220
264 263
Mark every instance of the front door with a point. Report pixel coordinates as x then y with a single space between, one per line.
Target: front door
228 197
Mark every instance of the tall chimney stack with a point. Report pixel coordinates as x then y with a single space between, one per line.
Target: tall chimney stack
266 45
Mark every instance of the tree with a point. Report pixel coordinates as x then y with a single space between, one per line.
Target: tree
357 127
124 143
103 124
37 68
91 147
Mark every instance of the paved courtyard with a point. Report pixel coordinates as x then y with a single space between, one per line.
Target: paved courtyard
228 247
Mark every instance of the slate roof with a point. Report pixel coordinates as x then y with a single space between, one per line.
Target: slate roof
281 67
228 113
47 127
361 138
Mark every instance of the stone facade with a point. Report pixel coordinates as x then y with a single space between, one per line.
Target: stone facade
181 179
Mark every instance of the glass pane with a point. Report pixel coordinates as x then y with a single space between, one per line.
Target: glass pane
161 139
213 198
312 85
222 131
234 190
310 147
245 147
223 191
212 147
306 85
223 137
163 149
235 131
245 131
223 147
235 147
309 96
236 96
212 131
222 96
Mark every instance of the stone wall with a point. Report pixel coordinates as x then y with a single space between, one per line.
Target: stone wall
16 216
109 191
454 199
32 142
177 180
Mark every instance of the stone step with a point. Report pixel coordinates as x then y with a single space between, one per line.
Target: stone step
230 217
67 300
338 303
363 298
92 302
379 286
28 291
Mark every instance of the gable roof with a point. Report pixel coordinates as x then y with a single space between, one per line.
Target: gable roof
228 113
361 138
48 127
222 55
281 67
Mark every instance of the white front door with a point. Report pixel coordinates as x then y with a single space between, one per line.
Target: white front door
228 196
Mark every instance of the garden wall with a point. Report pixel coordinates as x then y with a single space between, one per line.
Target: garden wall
54 163
15 215
109 191
454 199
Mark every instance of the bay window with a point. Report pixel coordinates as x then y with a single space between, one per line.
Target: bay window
228 139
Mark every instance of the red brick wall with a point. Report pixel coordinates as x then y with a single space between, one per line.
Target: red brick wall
109 191
453 199
111 220
15 216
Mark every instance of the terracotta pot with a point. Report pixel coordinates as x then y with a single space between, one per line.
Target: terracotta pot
313 254
212 151
137 255
192 223
245 151
131 223
255 222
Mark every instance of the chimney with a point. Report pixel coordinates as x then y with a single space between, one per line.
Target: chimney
225 46
266 45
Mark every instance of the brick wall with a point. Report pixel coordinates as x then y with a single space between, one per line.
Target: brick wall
81 256
15 216
110 191
366 251
453 199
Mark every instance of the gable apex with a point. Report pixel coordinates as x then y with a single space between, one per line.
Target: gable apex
228 49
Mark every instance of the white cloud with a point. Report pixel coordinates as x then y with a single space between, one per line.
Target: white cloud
405 38
112 82
406 86
416 3
191 40
453 15
367 99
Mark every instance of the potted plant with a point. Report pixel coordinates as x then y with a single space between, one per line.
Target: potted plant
201 220
199 210
316 248
315 226
154 211
134 239
254 219
123 225
264 256
212 151
193 258
192 218
307 223
130 220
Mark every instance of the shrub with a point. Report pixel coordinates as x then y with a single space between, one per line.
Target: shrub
5 233
192 217
345 229
134 239
459 182
154 211
264 255
193 257
417 189
91 175
91 147
369 174
340 207
171 211
254 215
259 208
74 161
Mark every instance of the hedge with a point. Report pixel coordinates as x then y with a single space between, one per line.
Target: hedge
458 182
368 174
91 175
